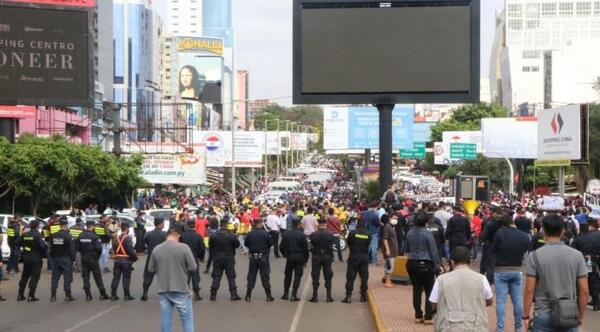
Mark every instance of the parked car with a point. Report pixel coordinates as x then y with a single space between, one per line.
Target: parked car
4 220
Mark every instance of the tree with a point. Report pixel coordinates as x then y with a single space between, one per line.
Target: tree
595 139
596 85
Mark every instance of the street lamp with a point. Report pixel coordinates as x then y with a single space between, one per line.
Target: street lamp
278 148
511 186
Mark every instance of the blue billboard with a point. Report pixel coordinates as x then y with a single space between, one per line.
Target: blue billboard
363 127
422 131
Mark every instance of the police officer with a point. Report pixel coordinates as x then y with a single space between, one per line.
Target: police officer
51 228
152 239
140 232
259 244
104 234
62 251
294 248
488 233
75 232
12 233
196 243
124 256
322 257
34 249
589 245
222 247
89 247
358 262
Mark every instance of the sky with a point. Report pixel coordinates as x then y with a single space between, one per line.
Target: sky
263 42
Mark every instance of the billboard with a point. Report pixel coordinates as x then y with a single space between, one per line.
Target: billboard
430 46
559 133
199 78
520 144
358 128
249 147
422 131
182 169
200 44
61 3
17 112
44 57
442 149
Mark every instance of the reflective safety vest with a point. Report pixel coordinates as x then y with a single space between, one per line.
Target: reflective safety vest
10 232
75 232
54 229
100 231
120 252
27 243
361 236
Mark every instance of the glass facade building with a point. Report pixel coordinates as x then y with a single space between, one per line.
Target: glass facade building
217 20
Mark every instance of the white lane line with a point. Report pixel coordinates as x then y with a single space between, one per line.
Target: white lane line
98 315
298 313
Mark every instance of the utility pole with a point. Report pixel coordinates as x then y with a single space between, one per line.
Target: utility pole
266 150
278 149
292 143
233 195
116 109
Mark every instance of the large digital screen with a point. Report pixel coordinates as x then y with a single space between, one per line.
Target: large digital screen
386 52
200 78
44 57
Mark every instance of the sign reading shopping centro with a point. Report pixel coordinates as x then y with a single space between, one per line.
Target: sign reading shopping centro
44 57
417 152
184 169
559 133
463 151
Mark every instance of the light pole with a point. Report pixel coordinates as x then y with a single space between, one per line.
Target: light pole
266 150
292 142
511 186
278 148
287 130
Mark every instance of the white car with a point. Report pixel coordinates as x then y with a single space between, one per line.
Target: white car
166 214
4 220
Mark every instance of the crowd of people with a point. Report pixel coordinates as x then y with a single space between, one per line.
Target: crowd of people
554 256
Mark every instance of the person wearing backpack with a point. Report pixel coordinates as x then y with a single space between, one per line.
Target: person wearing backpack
557 279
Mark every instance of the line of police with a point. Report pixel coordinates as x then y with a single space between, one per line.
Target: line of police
84 245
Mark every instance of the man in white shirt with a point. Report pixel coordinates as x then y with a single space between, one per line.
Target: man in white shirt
309 222
273 226
442 215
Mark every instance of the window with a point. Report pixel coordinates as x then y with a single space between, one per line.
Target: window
531 54
526 69
175 16
515 24
533 24
532 10
597 8
535 69
548 9
565 9
515 10
584 8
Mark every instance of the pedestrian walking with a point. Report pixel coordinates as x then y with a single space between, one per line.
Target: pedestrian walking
358 262
13 231
273 226
390 249
222 246
173 262
294 248
124 257
334 226
509 246
88 245
309 222
34 249
62 251
461 297
490 227
372 224
458 232
422 265
322 243
196 244
589 246
557 281
152 239
259 244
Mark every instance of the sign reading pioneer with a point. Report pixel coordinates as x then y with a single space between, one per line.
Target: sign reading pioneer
44 57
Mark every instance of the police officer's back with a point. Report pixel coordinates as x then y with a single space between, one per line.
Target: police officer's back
152 239
294 247
62 251
194 241
322 243
88 244
259 243
34 249
358 262
222 246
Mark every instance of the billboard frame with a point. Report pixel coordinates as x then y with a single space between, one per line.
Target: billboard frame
471 96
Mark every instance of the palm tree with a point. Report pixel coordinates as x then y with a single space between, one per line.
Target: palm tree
596 84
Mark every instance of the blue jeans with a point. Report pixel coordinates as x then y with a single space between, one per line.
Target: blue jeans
373 246
183 303
508 282
543 323
104 257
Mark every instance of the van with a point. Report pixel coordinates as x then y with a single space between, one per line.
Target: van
284 186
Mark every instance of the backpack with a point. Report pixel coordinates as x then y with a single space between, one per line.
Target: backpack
390 197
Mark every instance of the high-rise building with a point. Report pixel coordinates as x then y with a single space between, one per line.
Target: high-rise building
546 54
137 31
217 20
184 17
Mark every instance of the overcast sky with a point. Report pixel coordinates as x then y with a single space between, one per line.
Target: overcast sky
263 30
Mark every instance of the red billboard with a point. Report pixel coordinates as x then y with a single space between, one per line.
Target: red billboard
66 3
17 112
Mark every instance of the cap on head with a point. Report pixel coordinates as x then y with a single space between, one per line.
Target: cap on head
34 224
90 222
63 221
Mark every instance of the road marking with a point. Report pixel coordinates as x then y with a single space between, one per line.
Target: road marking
298 312
98 315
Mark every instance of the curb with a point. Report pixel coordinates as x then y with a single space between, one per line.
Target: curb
377 318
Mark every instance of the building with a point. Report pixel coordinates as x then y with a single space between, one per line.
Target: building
185 17
48 121
241 103
137 29
545 54
217 20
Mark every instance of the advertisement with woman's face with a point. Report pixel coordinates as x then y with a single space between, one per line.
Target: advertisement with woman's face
200 78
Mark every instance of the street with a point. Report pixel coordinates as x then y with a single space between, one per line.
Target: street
222 315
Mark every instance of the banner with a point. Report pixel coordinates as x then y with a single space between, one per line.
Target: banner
593 202
273 143
200 77
65 3
299 141
521 143
249 147
559 133
182 169
358 128
44 57
17 112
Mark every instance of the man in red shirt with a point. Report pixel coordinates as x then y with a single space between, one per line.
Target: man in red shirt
335 228
201 224
475 231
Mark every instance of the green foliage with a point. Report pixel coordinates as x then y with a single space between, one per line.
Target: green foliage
371 190
595 139
467 117
52 170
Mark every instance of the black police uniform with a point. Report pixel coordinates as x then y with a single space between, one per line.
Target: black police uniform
88 245
437 230
294 247
34 249
152 239
196 243
75 232
140 232
12 233
322 257
104 234
222 247
488 233
589 245
124 256
259 243
358 263
62 251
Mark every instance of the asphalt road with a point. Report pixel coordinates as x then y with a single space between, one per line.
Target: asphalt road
222 315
